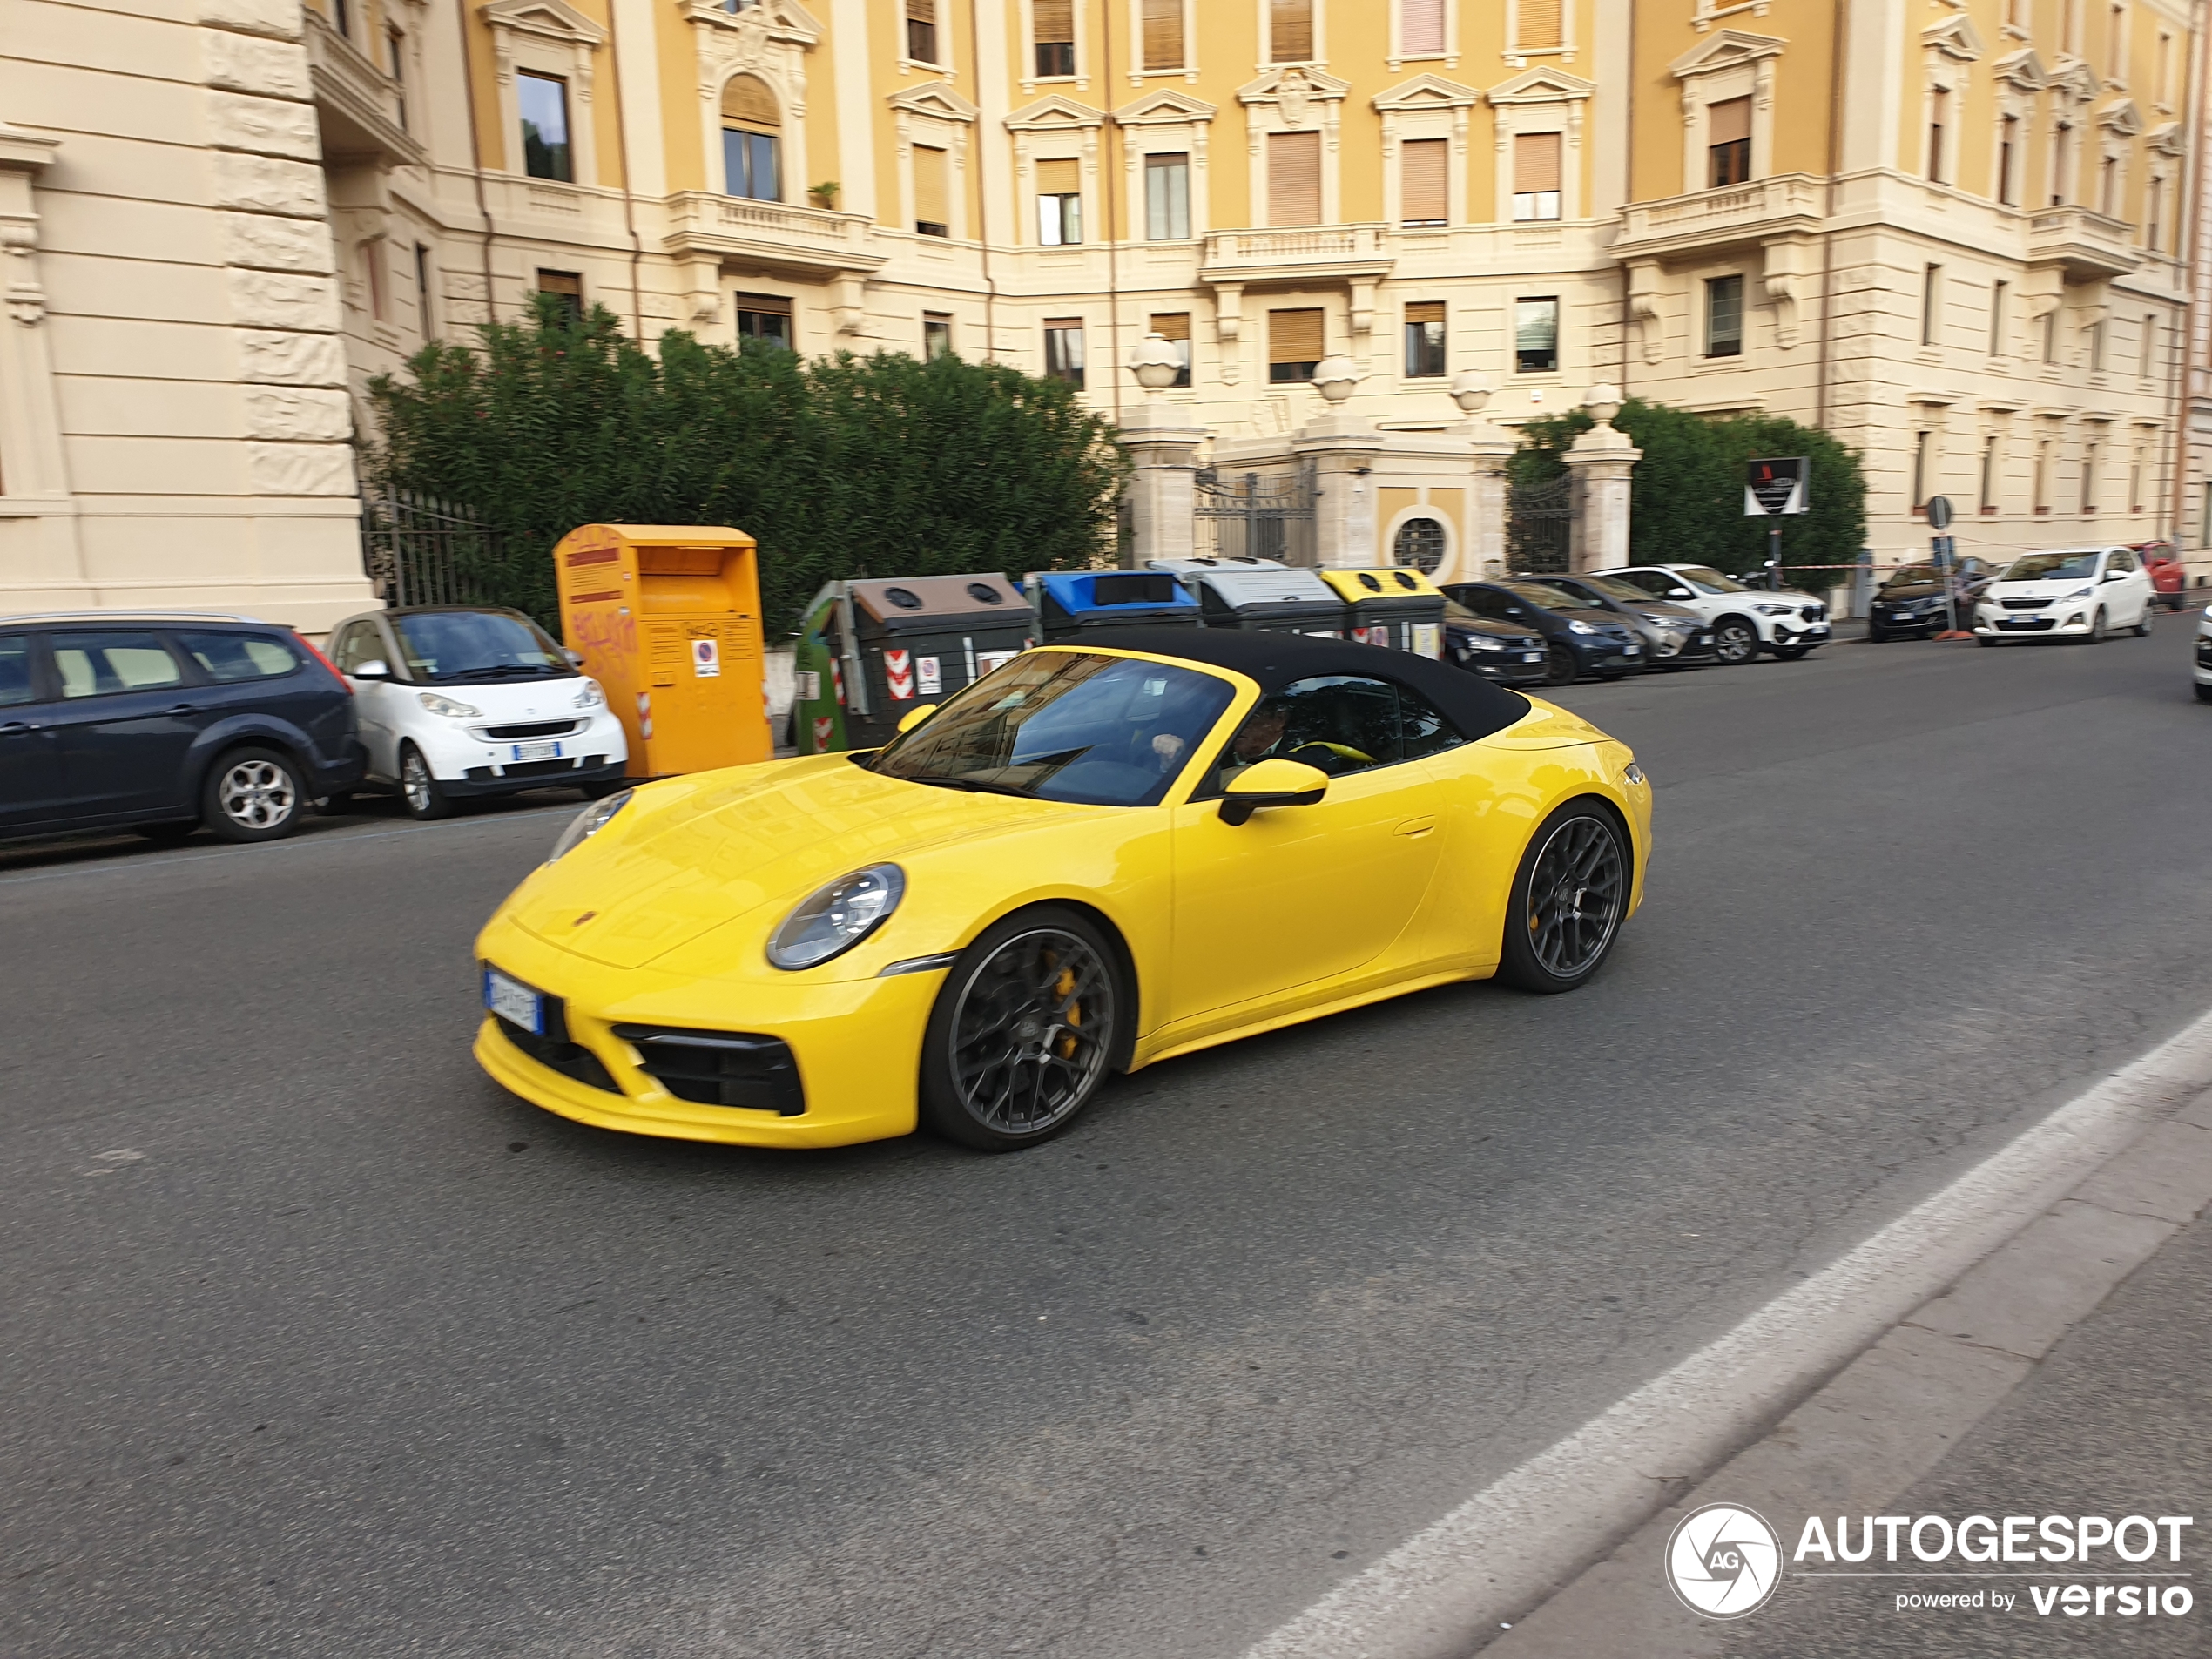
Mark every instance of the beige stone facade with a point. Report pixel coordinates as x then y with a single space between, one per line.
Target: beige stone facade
1957 233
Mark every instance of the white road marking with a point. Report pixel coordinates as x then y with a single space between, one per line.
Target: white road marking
1501 1551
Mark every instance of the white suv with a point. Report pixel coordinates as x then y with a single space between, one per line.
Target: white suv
2068 593
1746 621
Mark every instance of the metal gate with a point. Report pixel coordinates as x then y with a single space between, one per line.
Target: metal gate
1537 520
418 550
1255 517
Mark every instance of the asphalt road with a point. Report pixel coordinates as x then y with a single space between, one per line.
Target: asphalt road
317 1343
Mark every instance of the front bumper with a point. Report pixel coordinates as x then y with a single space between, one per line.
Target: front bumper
1509 667
1812 634
483 781
2056 622
1604 656
857 1044
464 760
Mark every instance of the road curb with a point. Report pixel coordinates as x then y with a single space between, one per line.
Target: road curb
1894 1413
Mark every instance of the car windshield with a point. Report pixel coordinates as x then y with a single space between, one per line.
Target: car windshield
2054 567
1547 598
1454 611
476 645
1614 588
1065 726
1913 573
1712 581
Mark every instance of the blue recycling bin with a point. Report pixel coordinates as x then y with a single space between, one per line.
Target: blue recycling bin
1083 605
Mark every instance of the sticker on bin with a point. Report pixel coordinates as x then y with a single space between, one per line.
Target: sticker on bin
706 658
514 1002
987 660
1428 639
898 670
927 675
824 732
810 684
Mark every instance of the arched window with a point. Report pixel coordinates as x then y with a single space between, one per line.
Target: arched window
1420 542
752 144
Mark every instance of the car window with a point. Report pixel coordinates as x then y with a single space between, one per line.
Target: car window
1614 588
1709 580
2053 567
2121 561
1338 723
359 644
1550 598
18 683
230 658
1656 582
99 664
1421 729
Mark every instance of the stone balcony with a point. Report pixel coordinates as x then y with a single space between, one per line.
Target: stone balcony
2091 246
359 109
1733 216
806 241
1316 254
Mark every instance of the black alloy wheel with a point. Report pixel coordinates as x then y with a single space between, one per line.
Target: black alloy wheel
1877 635
1735 642
1025 1029
1562 667
1569 900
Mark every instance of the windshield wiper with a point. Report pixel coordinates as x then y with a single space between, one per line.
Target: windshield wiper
973 786
503 671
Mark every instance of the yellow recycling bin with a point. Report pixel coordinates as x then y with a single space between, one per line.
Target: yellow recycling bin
667 618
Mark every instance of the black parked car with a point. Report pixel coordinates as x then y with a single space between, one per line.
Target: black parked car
1674 636
1581 635
1497 650
1910 606
163 722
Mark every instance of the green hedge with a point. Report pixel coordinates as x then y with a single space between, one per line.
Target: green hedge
842 466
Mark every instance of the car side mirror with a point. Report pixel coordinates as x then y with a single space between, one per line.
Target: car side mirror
1680 593
575 658
2114 576
1272 783
375 669
914 717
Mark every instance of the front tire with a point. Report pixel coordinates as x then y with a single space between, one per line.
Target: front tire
418 790
2141 630
1027 1026
2204 693
1569 900
1788 653
253 794
1560 667
2096 634
1735 642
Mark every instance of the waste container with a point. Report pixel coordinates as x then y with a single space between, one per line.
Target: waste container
1261 594
1395 606
1075 605
667 619
873 649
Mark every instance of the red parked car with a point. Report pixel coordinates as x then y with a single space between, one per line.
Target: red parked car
2163 565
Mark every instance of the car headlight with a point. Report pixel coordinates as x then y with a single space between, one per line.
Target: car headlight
588 823
446 706
2079 593
1635 773
1579 628
1775 611
832 920
1481 642
589 696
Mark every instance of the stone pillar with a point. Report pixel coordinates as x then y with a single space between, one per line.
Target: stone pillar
1162 494
1341 448
1600 462
1483 556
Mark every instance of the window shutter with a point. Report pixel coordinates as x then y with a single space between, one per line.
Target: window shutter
1425 311
1290 33
1541 23
932 200
921 10
1174 325
1422 25
1164 34
747 98
1294 178
1058 178
1423 172
1729 121
1054 20
1535 162
1294 336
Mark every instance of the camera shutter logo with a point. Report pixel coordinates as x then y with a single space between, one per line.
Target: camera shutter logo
1723 1562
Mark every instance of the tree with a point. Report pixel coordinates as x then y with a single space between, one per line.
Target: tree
880 465
1686 501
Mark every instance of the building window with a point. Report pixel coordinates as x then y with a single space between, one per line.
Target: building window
1163 47
2135 483
2008 134
1424 182
395 46
933 192
544 102
1167 197
342 17
1425 337
2154 211
1535 175
424 318
1063 350
1540 26
2000 295
1294 345
2148 339
1290 32
1989 473
1727 140
1174 326
2089 476
1724 316
1420 28
752 149
1053 23
1919 469
936 335
764 317
2062 155
1059 203
1939 118
567 289
2051 336
2108 187
922 31
1293 179
2097 347
1932 305
1536 336
2043 476
1420 542
373 256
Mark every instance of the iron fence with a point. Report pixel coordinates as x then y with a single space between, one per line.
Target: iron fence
1538 521
418 550
1258 517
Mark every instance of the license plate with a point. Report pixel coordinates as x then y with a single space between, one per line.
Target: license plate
514 1002
1631 651
537 751
1532 657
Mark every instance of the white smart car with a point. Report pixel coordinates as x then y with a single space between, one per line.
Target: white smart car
2070 593
1745 621
458 701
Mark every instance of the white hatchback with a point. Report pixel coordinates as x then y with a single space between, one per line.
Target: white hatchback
1745 621
457 701
2070 593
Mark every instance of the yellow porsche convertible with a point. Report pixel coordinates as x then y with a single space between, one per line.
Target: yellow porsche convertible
1093 859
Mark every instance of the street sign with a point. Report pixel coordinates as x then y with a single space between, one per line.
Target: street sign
1774 488
1939 512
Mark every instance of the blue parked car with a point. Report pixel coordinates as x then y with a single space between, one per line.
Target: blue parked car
166 722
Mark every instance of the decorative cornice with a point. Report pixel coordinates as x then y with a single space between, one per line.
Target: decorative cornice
935 98
1429 92
1164 108
1724 51
1055 113
1542 86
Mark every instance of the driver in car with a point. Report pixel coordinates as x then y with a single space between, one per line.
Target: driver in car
1264 735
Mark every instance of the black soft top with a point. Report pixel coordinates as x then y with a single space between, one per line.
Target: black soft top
1475 706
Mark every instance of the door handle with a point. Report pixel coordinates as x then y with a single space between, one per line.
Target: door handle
14 726
1418 827
182 708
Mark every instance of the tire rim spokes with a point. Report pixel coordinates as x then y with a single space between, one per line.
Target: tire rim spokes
1032 1031
416 784
257 793
1575 896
